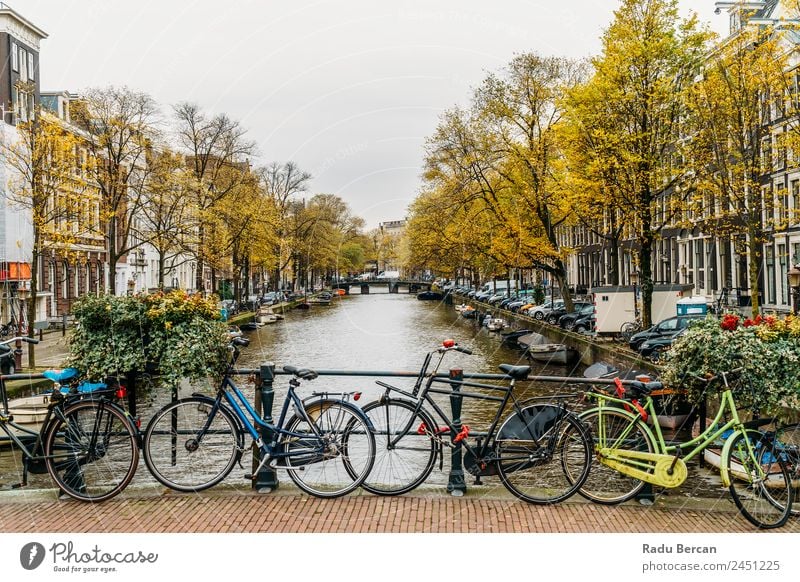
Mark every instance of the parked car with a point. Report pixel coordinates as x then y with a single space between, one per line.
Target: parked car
555 314
665 328
654 348
7 360
541 311
568 321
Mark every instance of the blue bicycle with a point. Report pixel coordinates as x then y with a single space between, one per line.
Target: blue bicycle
327 446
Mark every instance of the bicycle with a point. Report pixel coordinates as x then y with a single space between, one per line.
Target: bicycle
786 440
531 451
629 328
629 454
87 444
326 446
9 328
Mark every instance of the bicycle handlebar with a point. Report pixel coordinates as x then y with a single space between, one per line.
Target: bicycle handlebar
717 375
30 340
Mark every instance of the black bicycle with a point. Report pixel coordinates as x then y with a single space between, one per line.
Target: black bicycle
541 451
87 444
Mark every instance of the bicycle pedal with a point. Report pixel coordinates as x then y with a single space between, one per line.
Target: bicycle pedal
250 477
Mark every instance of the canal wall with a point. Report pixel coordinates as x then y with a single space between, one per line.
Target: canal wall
591 348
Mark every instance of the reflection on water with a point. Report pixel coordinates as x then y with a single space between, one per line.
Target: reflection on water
380 332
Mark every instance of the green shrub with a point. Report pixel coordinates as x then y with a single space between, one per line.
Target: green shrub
768 350
181 335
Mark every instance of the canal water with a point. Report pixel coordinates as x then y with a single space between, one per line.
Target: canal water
376 332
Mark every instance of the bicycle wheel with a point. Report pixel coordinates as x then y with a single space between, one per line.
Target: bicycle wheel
188 449
628 329
91 450
619 430
551 468
400 464
787 445
760 485
332 454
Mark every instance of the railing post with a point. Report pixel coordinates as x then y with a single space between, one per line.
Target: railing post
18 355
456 484
266 480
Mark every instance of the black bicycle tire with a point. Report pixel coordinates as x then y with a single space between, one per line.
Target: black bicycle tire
376 484
784 509
787 444
569 427
53 460
315 411
236 447
600 473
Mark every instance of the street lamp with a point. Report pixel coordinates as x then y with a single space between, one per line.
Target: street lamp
794 285
634 277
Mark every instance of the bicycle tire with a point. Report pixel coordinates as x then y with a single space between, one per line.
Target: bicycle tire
787 445
338 460
174 455
628 329
550 469
760 486
404 466
91 450
607 486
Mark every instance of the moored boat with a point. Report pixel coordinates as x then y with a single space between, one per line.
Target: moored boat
552 353
497 324
430 295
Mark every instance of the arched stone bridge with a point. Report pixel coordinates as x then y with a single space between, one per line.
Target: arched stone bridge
393 284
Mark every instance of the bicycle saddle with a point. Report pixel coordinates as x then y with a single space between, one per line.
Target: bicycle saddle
516 372
641 389
302 373
60 376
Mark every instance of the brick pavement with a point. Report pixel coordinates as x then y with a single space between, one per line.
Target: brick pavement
287 511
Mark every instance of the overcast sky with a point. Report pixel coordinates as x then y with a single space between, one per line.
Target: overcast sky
347 89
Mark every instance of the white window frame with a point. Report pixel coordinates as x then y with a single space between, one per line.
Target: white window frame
14 58
31 71
23 66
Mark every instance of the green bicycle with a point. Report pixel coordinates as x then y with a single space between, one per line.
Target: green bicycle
629 454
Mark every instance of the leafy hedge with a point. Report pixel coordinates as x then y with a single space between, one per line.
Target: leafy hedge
179 334
767 348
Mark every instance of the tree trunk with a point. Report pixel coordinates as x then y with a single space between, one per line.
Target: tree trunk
32 301
753 271
560 273
112 255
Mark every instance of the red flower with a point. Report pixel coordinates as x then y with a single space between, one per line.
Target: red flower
730 322
749 322
770 321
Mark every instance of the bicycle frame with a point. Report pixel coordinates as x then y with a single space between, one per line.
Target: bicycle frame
484 439
694 446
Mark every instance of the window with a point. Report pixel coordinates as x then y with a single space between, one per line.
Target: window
14 58
31 76
23 66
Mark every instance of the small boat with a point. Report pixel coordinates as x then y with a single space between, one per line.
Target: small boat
265 315
430 295
461 307
531 339
511 337
340 292
251 326
468 312
552 353
497 324
323 298
303 305
234 331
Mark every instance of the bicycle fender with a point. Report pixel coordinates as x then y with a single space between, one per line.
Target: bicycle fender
725 472
531 422
318 405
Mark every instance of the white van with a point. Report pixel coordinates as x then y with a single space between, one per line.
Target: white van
501 286
384 275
